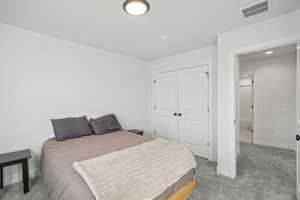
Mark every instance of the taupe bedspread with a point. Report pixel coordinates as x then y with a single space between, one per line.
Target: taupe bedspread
63 183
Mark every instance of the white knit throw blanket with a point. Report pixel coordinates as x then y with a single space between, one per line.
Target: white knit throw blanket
141 172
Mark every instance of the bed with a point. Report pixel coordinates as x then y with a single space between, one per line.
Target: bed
63 183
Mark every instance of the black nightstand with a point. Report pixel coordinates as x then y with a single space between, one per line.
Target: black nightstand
13 158
136 131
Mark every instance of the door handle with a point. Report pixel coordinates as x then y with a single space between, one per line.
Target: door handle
297 137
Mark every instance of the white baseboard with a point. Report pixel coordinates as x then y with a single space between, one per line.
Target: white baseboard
277 145
16 176
226 172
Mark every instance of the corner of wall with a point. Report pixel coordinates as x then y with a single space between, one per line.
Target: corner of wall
226 172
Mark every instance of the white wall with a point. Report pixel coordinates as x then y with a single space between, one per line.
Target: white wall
201 56
43 77
266 34
274 99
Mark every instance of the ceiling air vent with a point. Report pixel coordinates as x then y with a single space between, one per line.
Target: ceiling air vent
256 9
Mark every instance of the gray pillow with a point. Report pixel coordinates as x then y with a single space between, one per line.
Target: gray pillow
72 127
105 124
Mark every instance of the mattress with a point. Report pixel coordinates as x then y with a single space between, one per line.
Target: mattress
63 183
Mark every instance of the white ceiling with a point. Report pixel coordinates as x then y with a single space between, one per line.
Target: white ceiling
190 24
278 51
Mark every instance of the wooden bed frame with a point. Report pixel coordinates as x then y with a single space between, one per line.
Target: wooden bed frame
185 192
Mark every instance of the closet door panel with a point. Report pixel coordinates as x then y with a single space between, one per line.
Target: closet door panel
167 105
193 105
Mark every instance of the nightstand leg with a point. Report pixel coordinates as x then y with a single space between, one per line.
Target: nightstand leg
25 176
1 177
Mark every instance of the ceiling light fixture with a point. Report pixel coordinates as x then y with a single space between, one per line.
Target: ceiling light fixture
136 7
269 52
165 37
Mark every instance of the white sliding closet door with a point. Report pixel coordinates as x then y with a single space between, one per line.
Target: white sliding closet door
166 105
193 107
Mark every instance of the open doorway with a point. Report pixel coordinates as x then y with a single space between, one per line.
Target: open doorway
267 111
246 107
267 97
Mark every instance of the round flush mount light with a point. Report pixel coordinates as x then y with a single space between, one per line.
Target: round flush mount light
269 52
136 7
165 37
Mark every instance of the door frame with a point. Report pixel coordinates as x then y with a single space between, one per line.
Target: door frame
249 49
211 151
298 118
